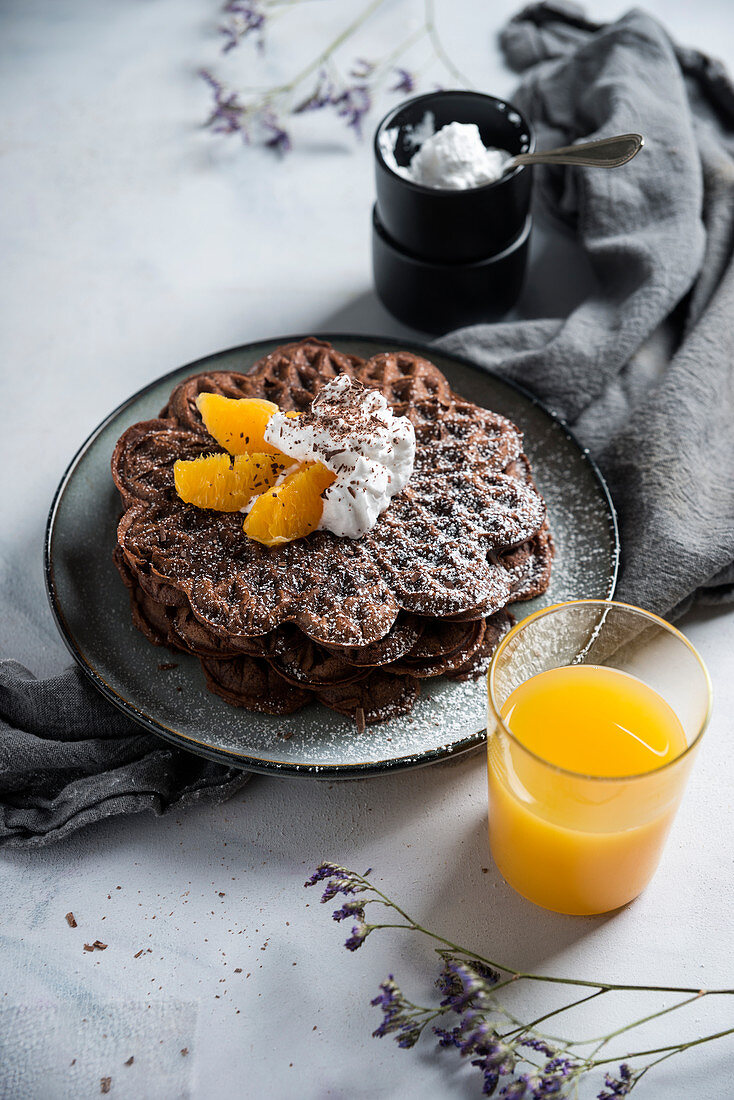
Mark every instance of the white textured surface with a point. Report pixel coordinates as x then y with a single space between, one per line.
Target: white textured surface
131 243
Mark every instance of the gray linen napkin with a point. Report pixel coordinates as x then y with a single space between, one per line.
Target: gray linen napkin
643 368
69 758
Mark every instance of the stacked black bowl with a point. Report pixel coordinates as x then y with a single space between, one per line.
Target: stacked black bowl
444 258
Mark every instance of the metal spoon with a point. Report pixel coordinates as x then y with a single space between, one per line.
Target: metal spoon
606 153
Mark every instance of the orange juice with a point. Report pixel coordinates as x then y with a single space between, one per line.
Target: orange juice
577 822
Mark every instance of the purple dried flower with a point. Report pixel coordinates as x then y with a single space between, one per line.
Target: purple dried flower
516 1090
490 1079
550 1081
322 95
618 1086
228 114
394 1007
352 105
349 909
476 1034
563 1067
463 983
406 81
399 1017
409 1035
338 886
537 1044
498 1054
389 994
324 871
496 1059
246 17
340 881
278 137
362 68
360 932
537 1086
452 1038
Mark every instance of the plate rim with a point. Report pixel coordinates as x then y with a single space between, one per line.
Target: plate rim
287 768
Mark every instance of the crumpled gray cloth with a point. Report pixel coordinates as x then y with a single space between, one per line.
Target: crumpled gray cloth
643 368
69 758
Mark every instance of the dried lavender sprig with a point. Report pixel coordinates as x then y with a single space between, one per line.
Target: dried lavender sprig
249 17
265 117
469 984
438 46
246 17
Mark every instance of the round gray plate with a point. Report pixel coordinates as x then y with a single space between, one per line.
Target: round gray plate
92 610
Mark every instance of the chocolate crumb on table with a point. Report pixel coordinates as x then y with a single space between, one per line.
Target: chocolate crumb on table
105 1084
130 1060
71 920
184 1051
359 719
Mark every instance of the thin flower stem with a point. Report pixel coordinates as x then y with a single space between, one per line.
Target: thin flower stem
406 44
385 65
517 974
674 1048
326 58
657 1061
420 1010
433 1016
602 1040
373 927
555 1012
501 985
438 46
331 48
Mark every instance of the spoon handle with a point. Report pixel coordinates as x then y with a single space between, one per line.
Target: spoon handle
605 153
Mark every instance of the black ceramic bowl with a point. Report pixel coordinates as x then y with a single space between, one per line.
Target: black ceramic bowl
447 225
437 297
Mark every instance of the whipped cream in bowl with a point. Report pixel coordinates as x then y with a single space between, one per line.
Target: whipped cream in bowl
353 432
452 158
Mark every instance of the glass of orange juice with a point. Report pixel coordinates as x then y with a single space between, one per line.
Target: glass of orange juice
596 710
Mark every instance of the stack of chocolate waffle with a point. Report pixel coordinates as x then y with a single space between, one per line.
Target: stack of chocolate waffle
354 624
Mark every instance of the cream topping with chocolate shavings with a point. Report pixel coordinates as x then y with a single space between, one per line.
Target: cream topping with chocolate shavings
352 431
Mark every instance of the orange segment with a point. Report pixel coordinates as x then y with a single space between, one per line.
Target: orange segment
224 484
237 423
293 509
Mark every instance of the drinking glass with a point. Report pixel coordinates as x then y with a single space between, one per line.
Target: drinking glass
584 844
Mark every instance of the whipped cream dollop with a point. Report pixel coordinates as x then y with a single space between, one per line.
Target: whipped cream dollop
353 432
453 158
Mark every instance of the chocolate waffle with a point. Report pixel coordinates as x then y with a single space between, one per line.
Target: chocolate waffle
355 624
